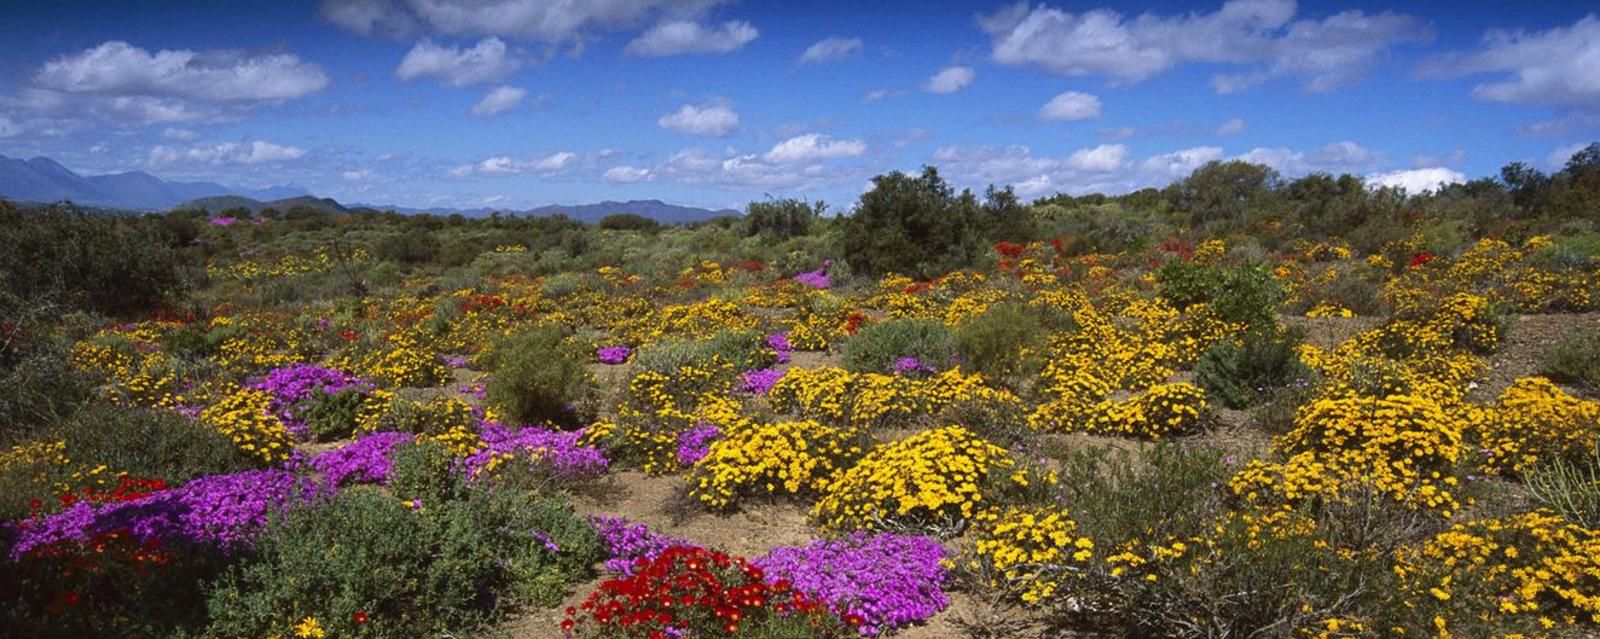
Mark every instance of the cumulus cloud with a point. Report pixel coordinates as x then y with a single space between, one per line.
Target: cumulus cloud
1558 157
710 121
1260 34
1558 66
1231 127
179 135
812 147
949 80
485 62
879 94
1180 163
1417 180
500 100
681 37
831 50
626 174
506 165
356 175
1338 157
1100 159
1070 106
117 68
257 152
542 20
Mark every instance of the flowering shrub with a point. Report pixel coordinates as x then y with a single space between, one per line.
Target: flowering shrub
557 452
363 461
627 544
1159 411
790 457
302 390
693 592
1534 422
883 581
1531 571
246 417
614 354
760 381
1026 551
929 477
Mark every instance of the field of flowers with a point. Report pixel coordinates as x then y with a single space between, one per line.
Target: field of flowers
1188 440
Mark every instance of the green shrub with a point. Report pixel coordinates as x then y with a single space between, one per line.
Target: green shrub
745 350
1168 490
140 442
425 471
408 571
1570 489
1248 295
1002 343
333 416
1242 374
540 376
1185 283
877 347
1574 361
41 388
782 218
144 600
107 264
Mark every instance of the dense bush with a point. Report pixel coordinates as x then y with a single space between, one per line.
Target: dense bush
782 218
878 347
1574 361
1244 294
110 265
1243 373
540 376
368 565
744 350
412 247
1003 343
919 226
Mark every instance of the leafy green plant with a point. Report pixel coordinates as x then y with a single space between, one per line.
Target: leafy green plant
877 347
540 376
1242 374
1570 489
368 565
1574 361
333 416
1003 343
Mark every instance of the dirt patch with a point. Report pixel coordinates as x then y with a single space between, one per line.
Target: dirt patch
1522 348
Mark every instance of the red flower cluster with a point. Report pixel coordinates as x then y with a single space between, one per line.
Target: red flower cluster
1422 258
852 323
1176 246
482 302
127 489
688 591
1012 250
754 266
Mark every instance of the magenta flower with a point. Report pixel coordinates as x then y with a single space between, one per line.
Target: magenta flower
614 354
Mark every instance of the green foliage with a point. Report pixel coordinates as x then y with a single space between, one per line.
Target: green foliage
919 226
1224 191
1003 343
782 218
1242 374
110 265
1574 361
411 572
877 347
628 222
425 471
413 247
1571 489
41 386
745 350
539 375
333 416
1245 294
1167 490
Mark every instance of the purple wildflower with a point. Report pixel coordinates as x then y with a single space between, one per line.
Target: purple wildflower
558 450
614 354
889 580
694 444
365 460
759 381
627 541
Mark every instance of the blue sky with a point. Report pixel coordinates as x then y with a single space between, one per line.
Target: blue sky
518 103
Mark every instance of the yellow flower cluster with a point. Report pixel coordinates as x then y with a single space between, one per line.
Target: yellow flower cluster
1534 421
932 476
1531 566
1159 411
244 417
790 457
1329 309
1026 551
873 400
1355 447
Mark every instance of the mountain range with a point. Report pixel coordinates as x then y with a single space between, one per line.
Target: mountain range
42 179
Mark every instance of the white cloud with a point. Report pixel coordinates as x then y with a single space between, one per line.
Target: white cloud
626 174
179 135
879 94
1338 157
1069 106
483 63
122 70
711 121
1558 66
1417 180
257 152
1558 157
505 165
356 175
1262 34
949 80
812 147
684 36
1100 159
1118 133
1231 127
830 50
8 128
1180 163
500 100
542 20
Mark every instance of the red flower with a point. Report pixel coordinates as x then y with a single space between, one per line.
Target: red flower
360 617
1422 258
